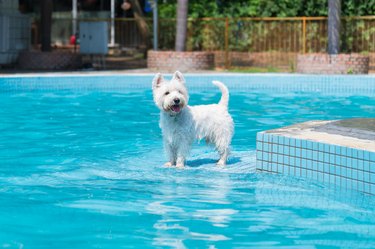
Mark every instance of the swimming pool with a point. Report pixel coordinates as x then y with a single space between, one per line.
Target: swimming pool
81 167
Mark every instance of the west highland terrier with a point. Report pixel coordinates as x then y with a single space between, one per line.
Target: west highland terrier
181 124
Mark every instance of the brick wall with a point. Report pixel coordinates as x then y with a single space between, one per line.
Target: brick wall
37 60
183 61
333 64
283 60
286 60
372 62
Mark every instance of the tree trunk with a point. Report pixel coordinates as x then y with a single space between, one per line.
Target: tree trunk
334 23
46 23
141 22
182 11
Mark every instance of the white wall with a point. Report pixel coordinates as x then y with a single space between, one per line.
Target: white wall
8 6
15 31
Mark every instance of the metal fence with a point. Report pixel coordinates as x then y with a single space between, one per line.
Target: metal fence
231 37
297 34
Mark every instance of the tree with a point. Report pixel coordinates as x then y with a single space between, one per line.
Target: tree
46 22
140 21
181 26
334 23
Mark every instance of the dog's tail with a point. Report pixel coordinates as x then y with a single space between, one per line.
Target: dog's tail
224 93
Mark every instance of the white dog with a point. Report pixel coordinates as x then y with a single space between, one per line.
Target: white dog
181 124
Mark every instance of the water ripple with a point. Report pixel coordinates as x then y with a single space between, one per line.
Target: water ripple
84 170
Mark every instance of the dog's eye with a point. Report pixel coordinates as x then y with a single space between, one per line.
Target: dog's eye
166 93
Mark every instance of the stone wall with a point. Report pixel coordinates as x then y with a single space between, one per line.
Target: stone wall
183 61
333 64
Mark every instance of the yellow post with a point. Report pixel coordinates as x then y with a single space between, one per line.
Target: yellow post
304 35
226 43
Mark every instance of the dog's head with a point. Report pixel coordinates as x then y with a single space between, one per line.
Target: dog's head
170 96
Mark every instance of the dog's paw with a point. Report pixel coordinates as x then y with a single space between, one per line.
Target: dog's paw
168 164
221 163
180 165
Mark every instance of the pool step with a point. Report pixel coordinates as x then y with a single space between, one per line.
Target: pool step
340 152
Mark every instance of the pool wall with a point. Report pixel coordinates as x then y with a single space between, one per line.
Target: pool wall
344 166
339 85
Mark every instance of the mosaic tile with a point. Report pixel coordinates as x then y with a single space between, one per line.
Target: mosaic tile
332 149
337 159
298 143
274 167
315 155
320 147
326 148
280 149
281 140
298 152
366 155
286 150
292 142
372 166
260 136
266 137
354 153
315 146
275 139
266 146
309 145
354 163
337 150
280 159
366 188
265 156
274 148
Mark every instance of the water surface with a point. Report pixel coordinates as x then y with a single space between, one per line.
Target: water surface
83 169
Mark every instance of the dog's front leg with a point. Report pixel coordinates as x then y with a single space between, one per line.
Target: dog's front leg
182 151
171 153
180 163
223 157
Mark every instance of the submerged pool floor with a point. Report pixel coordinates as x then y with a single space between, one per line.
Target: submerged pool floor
84 170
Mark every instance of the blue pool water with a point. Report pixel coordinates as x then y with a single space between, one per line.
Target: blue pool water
83 169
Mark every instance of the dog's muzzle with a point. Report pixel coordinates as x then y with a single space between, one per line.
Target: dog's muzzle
176 108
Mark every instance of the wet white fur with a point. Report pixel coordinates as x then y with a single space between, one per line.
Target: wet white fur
210 122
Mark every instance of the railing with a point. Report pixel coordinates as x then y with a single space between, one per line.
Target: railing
228 36
269 41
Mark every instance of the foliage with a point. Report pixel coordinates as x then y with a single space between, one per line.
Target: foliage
246 35
265 8
358 7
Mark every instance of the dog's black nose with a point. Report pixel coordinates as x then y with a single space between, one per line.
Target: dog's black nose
176 101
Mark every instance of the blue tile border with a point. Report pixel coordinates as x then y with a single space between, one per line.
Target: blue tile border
347 167
279 83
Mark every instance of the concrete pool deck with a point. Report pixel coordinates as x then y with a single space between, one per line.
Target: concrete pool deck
355 133
341 152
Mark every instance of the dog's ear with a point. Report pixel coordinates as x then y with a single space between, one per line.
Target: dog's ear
157 81
178 77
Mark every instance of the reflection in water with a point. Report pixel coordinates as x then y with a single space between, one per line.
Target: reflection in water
188 204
